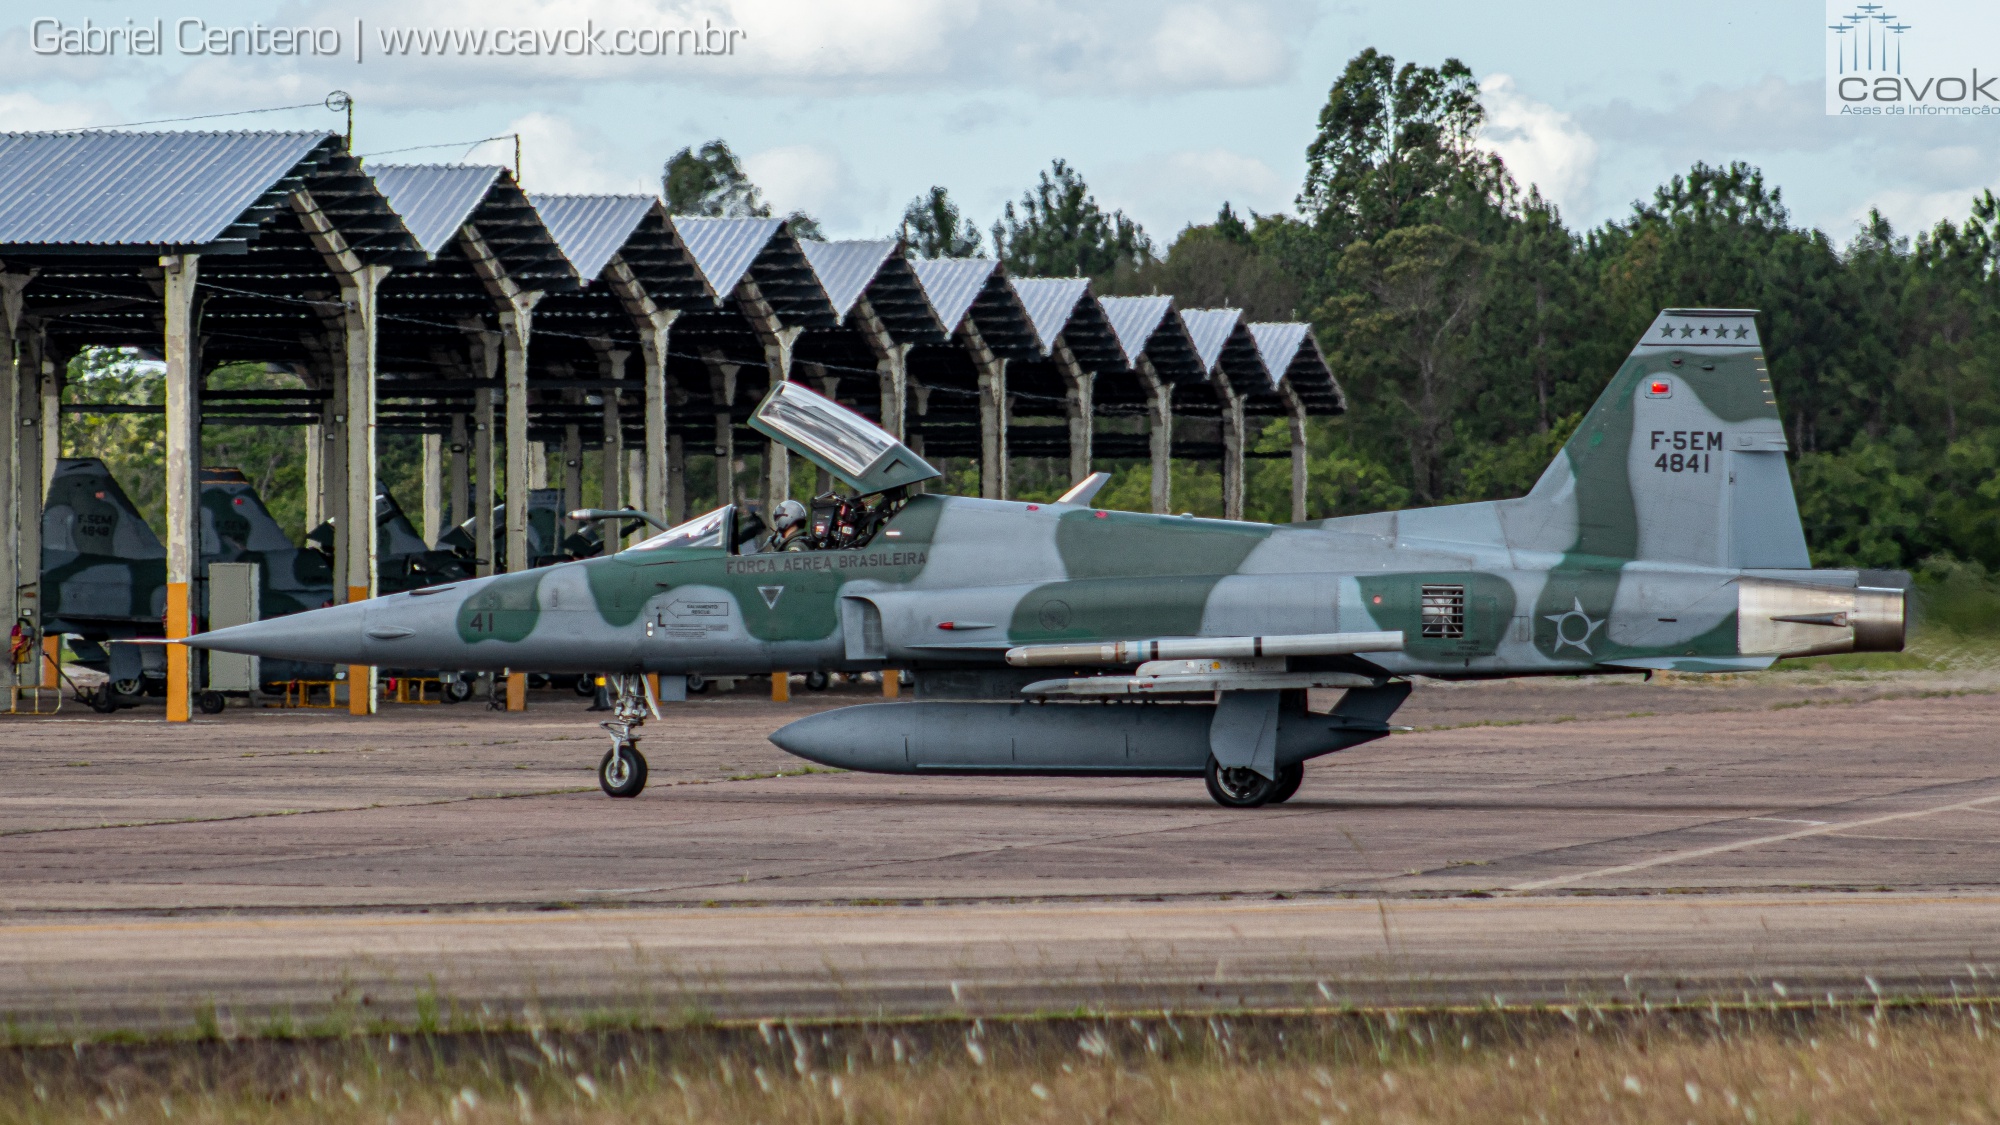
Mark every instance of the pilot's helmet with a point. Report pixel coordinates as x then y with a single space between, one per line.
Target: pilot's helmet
789 515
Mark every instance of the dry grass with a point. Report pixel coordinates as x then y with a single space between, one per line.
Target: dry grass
1922 1063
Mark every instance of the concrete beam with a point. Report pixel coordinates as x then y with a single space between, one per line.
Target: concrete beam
183 440
1160 432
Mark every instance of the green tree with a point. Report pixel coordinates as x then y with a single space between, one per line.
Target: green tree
934 227
710 182
1403 330
1058 230
1394 148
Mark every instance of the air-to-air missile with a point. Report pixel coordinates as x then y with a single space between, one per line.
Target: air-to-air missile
1056 638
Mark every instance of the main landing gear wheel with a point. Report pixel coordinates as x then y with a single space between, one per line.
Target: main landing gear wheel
817 681
622 773
457 691
1239 787
212 702
1289 779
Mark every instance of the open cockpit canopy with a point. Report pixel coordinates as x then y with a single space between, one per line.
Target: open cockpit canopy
862 455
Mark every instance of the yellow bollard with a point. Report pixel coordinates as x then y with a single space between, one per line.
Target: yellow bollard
52 662
781 687
180 670
892 682
517 691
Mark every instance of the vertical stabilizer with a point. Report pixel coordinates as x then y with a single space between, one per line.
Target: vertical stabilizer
1682 459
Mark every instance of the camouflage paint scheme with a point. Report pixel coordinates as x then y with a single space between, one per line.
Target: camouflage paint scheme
1668 510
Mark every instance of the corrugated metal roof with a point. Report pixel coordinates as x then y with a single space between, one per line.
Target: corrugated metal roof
952 284
1277 344
435 200
844 269
138 189
724 248
591 228
1210 329
1133 321
1049 301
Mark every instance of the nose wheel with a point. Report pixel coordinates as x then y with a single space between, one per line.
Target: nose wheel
622 773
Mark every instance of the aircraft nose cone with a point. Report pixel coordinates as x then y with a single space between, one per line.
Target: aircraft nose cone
328 636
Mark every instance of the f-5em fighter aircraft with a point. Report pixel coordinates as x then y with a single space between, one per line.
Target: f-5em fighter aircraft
1061 639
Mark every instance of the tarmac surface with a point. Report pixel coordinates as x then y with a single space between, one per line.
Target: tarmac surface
1530 841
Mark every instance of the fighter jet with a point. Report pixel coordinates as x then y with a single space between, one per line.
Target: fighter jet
1060 639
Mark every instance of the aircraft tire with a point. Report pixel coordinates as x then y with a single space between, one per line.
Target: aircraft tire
1239 788
130 688
103 701
622 773
817 681
457 691
212 702
1289 779
698 684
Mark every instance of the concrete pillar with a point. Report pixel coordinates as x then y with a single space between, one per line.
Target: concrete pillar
654 332
722 391
611 491
316 473
916 440
358 331
54 377
635 472
1295 411
777 459
485 489
29 485
1232 458
514 330
333 470
572 467
12 564
1079 387
1160 432
993 462
433 487
992 411
461 471
677 493
829 385
538 465
183 441
892 365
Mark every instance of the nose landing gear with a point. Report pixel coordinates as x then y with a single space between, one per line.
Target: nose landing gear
622 772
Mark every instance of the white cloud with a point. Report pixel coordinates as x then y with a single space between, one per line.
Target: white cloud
22 112
816 180
558 155
1168 191
1541 144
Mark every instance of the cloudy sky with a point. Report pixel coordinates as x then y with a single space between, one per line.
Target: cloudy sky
848 108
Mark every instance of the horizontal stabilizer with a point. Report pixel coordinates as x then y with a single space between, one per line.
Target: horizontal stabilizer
1205 648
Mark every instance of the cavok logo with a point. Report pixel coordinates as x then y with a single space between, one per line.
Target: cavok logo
1919 58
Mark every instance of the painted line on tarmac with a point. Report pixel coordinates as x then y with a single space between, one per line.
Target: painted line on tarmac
1739 845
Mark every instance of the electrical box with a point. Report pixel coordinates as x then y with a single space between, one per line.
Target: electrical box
232 600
